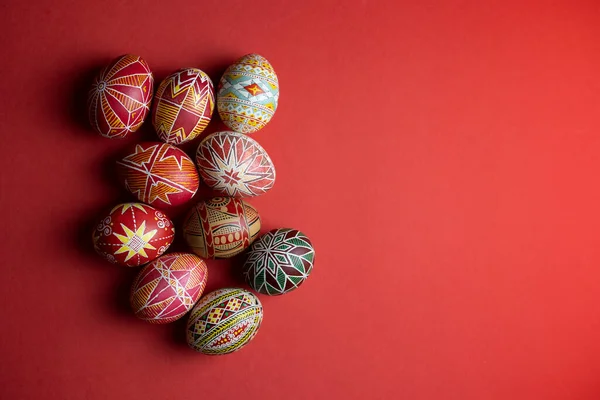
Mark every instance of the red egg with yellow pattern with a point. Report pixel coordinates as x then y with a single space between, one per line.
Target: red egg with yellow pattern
159 174
120 96
183 105
167 288
133 234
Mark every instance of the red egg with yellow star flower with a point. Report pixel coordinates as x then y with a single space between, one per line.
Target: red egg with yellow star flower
133 234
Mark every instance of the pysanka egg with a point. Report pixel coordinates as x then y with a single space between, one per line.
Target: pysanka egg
279 261
248 93
183 105
168 287
235 165
159 174
120 97
221 227
133 234
224 321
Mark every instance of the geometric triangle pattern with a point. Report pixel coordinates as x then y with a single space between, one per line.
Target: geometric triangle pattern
133 234
224 321
235 165
279 261
248 94
183 105
221 227
120 97
168 287
159 174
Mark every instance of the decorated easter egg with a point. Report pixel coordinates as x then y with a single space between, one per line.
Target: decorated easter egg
279 261
168 287
235 165
248 93
159 174
224 321
183 105
221 227
133 234
120 97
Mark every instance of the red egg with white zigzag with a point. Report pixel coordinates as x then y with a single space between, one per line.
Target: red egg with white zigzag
235 165
159 174
167 288
133 234
120 96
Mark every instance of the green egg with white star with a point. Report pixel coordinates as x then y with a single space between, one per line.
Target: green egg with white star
279 261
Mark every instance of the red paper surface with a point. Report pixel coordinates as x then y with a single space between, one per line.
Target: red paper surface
443 157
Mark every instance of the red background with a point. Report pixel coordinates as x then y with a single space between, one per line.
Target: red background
442 155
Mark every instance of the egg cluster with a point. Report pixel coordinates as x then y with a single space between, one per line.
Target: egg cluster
159 175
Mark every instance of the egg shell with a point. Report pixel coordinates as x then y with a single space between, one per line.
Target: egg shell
248 94
235 165
159 174
119 99
224 321
279 261
183 105
167 288
133 234
221 227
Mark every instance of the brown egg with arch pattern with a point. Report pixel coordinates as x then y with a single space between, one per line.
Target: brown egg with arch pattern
221 227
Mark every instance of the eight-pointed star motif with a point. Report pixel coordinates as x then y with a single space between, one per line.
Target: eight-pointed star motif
135 243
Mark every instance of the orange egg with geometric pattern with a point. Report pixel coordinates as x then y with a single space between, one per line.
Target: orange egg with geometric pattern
159 174
133 234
